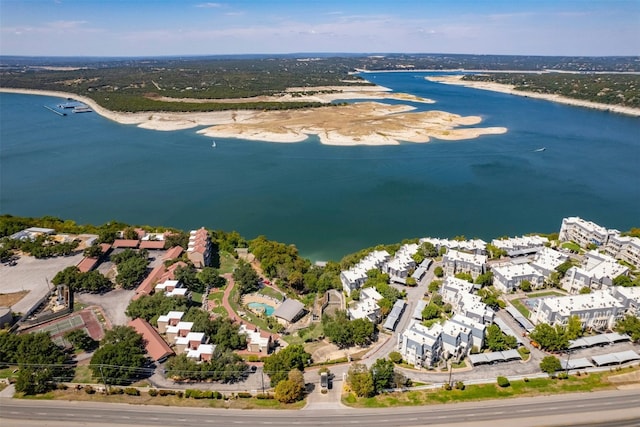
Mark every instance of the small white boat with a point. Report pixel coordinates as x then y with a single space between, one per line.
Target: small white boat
540 149
213 144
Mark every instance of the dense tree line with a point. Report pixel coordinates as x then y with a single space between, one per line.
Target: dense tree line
496 340
369 382
91 281
150 307
278 365
41 247
121 358
347 333
225 366
246 278
614 89
282 261
557 338
41 362
131 266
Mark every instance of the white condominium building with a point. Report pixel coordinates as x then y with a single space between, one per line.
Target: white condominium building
519 246
508 278
584 232
596 272
454 262
598 310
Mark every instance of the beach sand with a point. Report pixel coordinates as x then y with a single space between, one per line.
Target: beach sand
360 123
510 89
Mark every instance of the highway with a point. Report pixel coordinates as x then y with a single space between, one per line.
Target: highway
609 408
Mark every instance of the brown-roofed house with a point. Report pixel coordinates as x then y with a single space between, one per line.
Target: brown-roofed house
199 250
87 264
149 283
152 244
173 253
156 347
126 243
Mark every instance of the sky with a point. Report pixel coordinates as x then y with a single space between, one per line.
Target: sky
185 27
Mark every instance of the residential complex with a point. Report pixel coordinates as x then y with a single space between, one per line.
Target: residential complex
454 262
199 249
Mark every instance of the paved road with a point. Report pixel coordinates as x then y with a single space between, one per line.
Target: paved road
608 408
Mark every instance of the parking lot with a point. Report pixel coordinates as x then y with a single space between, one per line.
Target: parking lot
31 274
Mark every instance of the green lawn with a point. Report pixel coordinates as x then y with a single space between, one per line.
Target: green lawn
520 307
83 375
227 263
546 294
272 293
313 332
532 387
196 297
572 247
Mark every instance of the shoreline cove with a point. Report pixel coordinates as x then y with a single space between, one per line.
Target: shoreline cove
360 123
456 80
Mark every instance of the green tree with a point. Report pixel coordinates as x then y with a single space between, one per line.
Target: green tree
490 297
395 357
150 307
360 380
550 338
292 389
434 286
382 373
438 271
246 277
187 275
485 279
32 381
121 356
629 325
496 340
210 277
130 233
585 290
525 285
550 364
93 251
622 280
574 328
464 276
279 364
431 311
80 340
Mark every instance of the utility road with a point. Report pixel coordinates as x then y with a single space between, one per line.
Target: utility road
609 408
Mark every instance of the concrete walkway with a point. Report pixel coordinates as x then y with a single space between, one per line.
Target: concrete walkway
8 392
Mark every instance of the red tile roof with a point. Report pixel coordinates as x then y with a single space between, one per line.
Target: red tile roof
156 347
174 252
152 244
125 243
87 264
149 283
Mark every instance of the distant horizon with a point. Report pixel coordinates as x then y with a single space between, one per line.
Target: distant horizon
306 54
136 28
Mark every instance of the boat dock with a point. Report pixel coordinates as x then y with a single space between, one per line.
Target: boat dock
55 111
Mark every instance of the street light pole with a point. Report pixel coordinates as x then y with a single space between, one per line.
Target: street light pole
106 387
568 359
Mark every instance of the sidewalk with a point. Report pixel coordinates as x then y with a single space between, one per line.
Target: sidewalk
8 392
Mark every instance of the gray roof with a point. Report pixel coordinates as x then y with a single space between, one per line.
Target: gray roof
576 363
524 322
496 356
600 339
417 312
289 309
394 316
507 330
620 357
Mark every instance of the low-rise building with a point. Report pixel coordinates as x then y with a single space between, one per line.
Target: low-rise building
394 316
401 264
454 262
596 272
170 319
367 307
598 310
356 276
629 297
547 260
520 246
257 341
289 311
508 278
584 233
421 346
459 294
624 248
156 347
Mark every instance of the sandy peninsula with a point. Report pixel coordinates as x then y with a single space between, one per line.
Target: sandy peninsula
510 89
359 123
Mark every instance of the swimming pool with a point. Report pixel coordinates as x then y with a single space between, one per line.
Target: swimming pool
268 309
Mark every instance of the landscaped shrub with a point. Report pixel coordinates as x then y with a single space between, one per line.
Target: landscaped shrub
503 382
153 392
116 390
563 376
89 390
168 393
264 396
244 395
395 357
61 386
218 395
525 379
179 394
460 385
446 386
132 391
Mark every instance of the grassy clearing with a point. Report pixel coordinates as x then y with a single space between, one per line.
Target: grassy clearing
145 399
196 297
227 263
272 293
462 364
520 388
312 333
546 294
572 247
521 307
8 372
83 375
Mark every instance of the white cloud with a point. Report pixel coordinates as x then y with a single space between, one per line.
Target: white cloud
210 5
66 25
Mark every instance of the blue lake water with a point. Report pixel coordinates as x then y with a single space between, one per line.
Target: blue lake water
330 201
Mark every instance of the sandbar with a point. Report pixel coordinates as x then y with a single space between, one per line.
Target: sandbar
510 89
358 123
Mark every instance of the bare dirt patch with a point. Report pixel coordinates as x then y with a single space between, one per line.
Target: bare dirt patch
7 300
